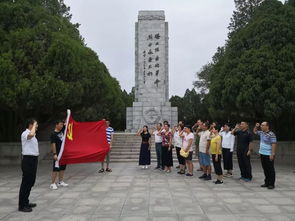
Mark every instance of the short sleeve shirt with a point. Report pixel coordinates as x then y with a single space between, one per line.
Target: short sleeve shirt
178 141
266 140
204 138
186 139
109 132
29 146
213 145
244 138
56 138
158 138
145 137
166 138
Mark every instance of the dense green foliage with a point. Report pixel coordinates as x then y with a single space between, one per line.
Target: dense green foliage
46 68
253 76
190 107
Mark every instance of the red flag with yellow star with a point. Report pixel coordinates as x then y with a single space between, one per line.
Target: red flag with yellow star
84 142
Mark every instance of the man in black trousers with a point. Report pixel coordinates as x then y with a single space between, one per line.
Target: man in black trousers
30 153
267 151
244 149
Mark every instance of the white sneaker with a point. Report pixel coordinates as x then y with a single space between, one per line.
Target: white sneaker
146 166
143 167
62 183
53 186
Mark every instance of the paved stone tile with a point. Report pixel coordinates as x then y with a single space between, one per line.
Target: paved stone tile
188 209
218 217
164 218
75 218
269 209
134 218
215 209
193 218
242 208
129 193
252 217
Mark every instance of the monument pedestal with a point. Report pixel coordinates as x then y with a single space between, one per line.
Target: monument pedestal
150 113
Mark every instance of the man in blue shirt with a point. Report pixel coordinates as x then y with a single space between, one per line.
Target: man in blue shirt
268 142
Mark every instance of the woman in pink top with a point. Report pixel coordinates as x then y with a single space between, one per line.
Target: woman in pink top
187 145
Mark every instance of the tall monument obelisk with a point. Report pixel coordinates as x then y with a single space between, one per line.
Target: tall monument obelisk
151 104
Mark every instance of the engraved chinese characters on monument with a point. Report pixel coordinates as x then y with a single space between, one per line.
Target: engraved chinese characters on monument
151 104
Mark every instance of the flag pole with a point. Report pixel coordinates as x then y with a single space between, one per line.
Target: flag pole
64 138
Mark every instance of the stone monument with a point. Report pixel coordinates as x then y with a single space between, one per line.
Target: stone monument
151 104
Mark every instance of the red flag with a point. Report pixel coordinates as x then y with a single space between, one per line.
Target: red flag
84 142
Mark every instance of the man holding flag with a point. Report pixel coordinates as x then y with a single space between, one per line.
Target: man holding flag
84 142
56 141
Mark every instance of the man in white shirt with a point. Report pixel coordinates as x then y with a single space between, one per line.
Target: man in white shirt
30 153
228 141
204 151
158 145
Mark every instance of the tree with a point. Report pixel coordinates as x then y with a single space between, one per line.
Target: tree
205 73
190 107
46 68
254 76
243 13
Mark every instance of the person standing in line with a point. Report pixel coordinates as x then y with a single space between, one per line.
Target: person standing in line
164 123
145 148
215 150
214 124
29 164
56 139
197 127
173 130
228 142
178 141
267 151
163 127
158 145
244 149
167 148
204 146
188 138
110 133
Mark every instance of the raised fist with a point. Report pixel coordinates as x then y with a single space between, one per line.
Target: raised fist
257 125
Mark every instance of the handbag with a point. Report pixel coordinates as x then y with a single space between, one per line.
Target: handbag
183 153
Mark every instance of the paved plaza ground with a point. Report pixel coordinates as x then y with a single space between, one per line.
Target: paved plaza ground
130 193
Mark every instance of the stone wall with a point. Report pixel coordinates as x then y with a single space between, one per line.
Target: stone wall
10 153
285 152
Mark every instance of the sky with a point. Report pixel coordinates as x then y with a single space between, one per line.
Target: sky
196 29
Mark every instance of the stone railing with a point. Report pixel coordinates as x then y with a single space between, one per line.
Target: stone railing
10 153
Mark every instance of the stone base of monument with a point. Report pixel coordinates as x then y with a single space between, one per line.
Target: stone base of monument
150 113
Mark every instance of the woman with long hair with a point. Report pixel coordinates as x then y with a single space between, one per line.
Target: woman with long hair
145 148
